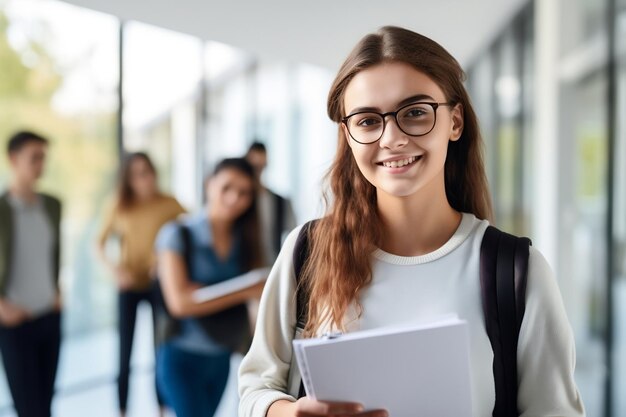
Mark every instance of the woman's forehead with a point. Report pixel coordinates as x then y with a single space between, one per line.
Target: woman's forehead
385 85
232 175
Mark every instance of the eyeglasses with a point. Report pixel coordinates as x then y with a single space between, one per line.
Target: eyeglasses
415 119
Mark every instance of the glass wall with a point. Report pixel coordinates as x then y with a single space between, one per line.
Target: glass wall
583 141
59 78
162 84
619 218
497 82
229 101
279 104
187 103
501 85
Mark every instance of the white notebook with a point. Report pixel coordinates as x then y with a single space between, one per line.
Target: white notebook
211 292
418 370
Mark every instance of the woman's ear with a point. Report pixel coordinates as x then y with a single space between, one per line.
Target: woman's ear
457 122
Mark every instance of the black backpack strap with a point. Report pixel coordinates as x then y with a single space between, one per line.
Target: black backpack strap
503 276
185 235
300 255
166 325
279 221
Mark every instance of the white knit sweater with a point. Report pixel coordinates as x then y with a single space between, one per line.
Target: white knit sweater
420 288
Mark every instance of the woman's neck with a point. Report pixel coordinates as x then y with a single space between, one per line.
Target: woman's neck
219 225
221 229
417 224
146 196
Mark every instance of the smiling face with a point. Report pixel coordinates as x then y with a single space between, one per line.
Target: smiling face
398 164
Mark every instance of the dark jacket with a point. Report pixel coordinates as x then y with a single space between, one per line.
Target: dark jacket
52 207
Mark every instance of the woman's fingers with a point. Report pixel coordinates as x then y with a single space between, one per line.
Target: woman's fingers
307 407
374 413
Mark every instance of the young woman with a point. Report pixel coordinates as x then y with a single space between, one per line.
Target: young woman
137 214
402 235
222 242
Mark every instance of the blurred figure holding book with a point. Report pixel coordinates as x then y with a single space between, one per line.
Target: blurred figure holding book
210 247
401 241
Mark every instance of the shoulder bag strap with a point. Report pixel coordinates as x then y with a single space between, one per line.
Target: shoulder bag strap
503 275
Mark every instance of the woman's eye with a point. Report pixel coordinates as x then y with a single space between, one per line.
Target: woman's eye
416 112
368 122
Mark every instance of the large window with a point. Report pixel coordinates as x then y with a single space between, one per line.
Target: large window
187 103
162 84
499 82
619 218
229 101
583 141
281 105
59 76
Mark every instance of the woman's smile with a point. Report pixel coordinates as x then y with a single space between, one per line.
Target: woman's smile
398 165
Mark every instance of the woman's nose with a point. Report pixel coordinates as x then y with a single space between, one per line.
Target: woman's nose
392 136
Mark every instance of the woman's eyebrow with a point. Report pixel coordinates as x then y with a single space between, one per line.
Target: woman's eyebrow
415 98
405 101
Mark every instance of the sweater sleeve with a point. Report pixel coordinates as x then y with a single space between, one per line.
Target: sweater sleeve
546 353
264 371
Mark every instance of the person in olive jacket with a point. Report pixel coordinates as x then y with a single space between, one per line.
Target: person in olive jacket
30 303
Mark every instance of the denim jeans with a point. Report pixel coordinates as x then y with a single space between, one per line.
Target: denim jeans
191 383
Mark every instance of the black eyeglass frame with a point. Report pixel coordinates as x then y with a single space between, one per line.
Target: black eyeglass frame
434 105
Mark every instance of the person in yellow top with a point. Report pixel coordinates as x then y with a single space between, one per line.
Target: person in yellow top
135 217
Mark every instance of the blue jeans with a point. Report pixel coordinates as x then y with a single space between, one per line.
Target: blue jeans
191 383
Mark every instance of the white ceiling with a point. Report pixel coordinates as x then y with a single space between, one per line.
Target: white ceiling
319 32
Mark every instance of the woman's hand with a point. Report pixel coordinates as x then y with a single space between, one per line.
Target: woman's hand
307 407
124 278
254 292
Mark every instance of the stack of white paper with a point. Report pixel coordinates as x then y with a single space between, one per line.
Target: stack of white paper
420 370
211 292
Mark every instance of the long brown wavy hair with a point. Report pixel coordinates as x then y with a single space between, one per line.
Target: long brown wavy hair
339 265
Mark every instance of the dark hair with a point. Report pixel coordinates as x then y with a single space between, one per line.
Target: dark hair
125 194
22 138
257 146
248 222
340 239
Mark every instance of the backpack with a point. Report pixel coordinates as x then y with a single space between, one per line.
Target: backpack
279 222
503 276
229 328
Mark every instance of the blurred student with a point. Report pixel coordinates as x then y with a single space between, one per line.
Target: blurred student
276 215
30 304
135 217
215 245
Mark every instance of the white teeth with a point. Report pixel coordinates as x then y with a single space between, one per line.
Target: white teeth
400 163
